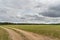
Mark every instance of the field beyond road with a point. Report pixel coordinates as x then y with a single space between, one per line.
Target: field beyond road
52 31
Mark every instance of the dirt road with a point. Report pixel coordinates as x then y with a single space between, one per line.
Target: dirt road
33 36
14 35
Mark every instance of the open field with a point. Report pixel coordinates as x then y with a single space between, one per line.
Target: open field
4 35
29 32
52 31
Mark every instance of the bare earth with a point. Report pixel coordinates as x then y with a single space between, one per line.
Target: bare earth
28 35
13 35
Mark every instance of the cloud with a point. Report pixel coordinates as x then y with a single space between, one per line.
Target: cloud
37 11
53 11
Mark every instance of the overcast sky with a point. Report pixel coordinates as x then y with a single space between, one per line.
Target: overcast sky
30 11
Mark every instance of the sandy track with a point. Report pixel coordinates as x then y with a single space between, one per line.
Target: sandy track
33 36
13 35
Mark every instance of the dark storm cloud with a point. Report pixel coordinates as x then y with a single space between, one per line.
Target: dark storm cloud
53 11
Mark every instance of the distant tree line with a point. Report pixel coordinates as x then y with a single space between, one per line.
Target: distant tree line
9 23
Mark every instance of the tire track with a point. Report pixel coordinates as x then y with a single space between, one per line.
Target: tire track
13 35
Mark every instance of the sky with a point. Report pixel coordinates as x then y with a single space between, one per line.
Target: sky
30 11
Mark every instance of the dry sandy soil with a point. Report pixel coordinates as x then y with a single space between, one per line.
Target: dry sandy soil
24 35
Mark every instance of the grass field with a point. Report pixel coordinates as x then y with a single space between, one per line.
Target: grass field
48 30
3 35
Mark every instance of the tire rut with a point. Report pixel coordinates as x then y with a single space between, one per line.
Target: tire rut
13 35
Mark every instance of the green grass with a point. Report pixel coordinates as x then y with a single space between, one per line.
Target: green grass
4 35
48 30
